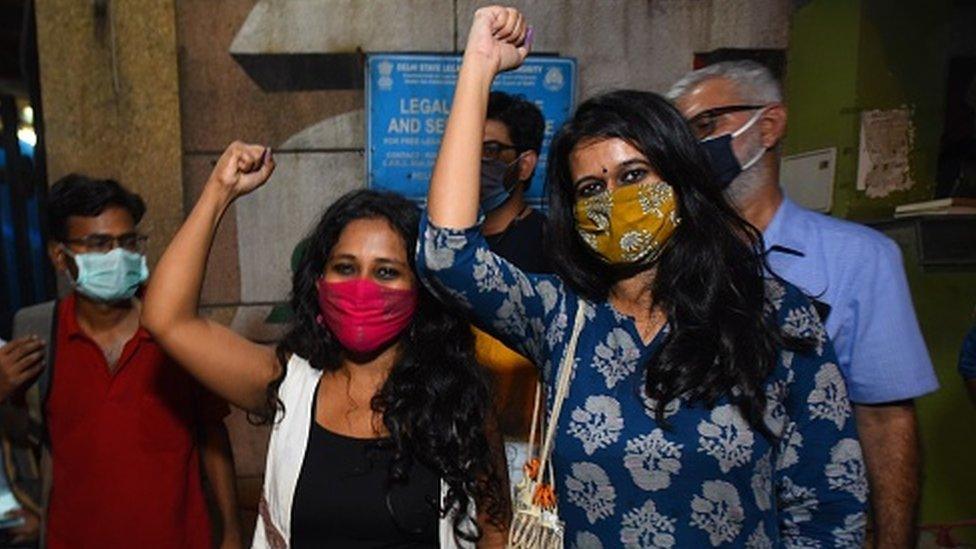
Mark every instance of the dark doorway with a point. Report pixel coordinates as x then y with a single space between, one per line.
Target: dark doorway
25 276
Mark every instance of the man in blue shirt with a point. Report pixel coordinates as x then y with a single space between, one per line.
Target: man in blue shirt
854 273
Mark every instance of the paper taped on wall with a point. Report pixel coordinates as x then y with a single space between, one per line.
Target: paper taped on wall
886 140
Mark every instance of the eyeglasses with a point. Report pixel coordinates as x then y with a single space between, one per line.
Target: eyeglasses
703 124
492 150
133 242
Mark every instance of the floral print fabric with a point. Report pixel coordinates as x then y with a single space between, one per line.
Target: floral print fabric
629 224
708 479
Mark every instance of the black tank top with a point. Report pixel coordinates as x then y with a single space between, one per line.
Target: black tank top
342 498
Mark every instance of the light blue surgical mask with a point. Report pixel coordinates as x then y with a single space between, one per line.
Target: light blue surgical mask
109 276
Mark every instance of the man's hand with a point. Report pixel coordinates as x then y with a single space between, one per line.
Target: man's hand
29 531
20 361
499 35
242 168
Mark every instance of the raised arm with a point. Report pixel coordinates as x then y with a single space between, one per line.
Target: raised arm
496 43
223 361
453 258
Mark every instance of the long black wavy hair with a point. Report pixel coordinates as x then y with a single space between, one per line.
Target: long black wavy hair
709 276
436 401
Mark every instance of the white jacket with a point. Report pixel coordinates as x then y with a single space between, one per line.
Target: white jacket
289 438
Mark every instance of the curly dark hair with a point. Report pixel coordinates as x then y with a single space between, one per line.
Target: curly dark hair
710 278
436 402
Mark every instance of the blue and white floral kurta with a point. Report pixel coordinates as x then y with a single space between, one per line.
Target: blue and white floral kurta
708 480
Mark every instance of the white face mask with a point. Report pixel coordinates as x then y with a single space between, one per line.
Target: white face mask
109 276
762 150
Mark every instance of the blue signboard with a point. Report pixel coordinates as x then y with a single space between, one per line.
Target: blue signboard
408 98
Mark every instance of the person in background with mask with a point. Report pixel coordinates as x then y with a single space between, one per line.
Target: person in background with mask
514 131
382 421
127 428
697 411
509 154
854 273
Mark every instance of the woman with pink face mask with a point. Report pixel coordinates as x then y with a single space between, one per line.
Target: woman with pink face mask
379 411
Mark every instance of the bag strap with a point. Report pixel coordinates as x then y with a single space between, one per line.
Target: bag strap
535 418
562 389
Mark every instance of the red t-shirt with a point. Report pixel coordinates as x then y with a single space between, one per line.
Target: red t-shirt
124 449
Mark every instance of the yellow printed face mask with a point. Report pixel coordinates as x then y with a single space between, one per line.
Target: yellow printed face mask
630 224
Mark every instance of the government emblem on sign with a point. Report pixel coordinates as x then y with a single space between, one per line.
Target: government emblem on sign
385 81
554 80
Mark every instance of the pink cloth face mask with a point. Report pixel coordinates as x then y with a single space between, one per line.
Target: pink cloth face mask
364 315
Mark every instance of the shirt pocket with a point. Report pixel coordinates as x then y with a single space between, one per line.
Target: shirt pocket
163 426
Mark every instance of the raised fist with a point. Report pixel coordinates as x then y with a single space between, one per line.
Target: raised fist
499 34
243 168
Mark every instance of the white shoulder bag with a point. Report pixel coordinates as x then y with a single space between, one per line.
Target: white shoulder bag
536 524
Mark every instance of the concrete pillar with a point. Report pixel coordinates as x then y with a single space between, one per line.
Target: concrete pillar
111 102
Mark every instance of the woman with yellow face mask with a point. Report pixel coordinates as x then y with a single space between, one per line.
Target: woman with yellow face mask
700 400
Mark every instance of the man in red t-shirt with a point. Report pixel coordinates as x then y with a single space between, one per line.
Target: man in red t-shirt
127 428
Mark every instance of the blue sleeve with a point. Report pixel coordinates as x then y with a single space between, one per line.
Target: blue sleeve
513 306
820 477
967 356
889 360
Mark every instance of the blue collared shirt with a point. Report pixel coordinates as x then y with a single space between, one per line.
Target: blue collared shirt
858 273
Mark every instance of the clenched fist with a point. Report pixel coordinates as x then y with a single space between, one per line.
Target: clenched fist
500 35
242 168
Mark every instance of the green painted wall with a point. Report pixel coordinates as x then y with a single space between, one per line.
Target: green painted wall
846 56
821 86
902 57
